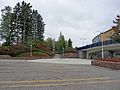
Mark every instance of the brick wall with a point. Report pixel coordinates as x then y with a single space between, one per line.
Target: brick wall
106 64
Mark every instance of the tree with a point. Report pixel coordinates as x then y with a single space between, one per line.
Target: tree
40 28
22 25
34 24
69 43
116 35
50 42
17 25
25 21
60 44
6 22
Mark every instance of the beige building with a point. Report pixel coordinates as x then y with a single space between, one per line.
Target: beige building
107 34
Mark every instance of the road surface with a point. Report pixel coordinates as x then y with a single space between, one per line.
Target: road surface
77 74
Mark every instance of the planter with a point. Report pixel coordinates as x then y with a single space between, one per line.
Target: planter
106 64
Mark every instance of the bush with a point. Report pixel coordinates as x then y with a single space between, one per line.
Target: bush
13 50
4 50
38 54
70 50
40 46
38 49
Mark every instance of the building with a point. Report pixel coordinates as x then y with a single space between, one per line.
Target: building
111 49
105 36
96 39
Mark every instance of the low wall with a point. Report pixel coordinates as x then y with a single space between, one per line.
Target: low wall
22 58
69 55
106 64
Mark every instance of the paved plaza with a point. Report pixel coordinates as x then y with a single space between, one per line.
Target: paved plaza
56 74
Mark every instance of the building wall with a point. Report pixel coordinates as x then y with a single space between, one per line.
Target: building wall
96 39
104 36
107 35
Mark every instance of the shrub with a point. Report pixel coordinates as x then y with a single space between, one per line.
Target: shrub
70 50
38 54
13 50
38 49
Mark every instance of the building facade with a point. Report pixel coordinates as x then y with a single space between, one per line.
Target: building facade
105 36
96 39
111 49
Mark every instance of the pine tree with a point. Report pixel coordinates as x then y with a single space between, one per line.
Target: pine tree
22 25
6 32
17 25
69 43
61 43
26 24
34 25
50 43
40 28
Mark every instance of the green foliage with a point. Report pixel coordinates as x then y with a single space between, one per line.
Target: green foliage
69 43
33 53
116 35
13 50
21 25
38 49
6 31
49 43
60 44
69 50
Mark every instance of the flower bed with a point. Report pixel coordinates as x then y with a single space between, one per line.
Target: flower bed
113 63
109 59
106 64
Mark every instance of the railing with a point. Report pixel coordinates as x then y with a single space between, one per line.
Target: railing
108 42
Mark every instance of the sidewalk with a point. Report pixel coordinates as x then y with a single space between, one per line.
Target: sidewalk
63 61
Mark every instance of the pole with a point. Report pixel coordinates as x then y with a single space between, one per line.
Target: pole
63 51
30 50
102 46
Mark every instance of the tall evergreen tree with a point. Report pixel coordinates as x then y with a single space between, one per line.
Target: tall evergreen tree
61 43
70 43
6 32
34 25
26 21
40 28
50 43
23 25
17 25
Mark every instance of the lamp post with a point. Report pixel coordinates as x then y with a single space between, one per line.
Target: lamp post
63 51
83 41
102 46
31 50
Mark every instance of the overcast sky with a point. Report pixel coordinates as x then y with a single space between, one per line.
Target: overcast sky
79 20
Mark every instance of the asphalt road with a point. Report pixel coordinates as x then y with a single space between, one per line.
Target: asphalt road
37 75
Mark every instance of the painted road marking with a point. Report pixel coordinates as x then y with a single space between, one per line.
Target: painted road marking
63 84
57 80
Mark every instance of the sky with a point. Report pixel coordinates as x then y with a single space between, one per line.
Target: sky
80 20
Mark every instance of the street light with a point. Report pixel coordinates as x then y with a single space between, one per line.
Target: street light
102 46
31 50
83 39
63 51
101 34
